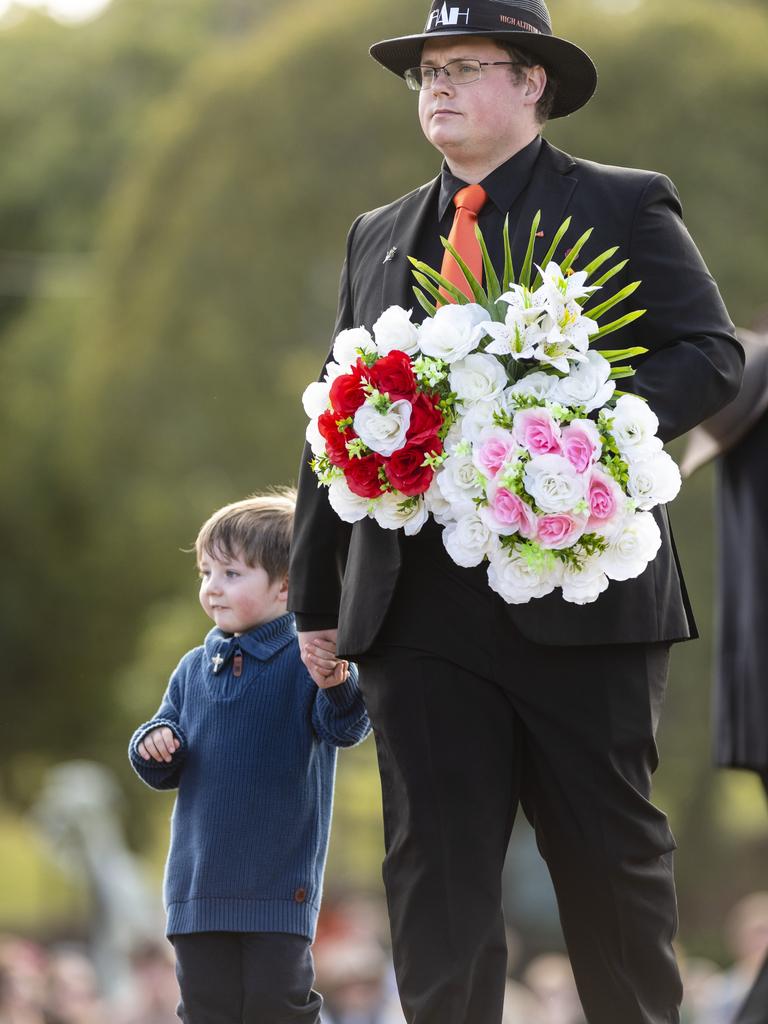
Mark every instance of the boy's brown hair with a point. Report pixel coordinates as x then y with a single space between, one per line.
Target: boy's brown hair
257 529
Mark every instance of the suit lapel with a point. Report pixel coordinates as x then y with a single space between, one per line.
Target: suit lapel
396 281
550 190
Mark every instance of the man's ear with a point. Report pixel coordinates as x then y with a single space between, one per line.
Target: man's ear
535 84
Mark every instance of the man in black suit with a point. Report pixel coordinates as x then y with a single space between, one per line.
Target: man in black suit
478 705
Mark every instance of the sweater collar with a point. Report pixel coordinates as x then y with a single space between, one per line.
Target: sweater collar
262 642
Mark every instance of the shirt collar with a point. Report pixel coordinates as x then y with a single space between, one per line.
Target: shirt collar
503 185
262 641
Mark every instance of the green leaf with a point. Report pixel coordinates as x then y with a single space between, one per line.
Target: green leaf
429 287
616 325
576 249
491 278
525 273
598 261
597 311
619 372
616 269
617 355
433 275
424 302
509 270
552 249
475 287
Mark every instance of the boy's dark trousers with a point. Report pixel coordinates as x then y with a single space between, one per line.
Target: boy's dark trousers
246 978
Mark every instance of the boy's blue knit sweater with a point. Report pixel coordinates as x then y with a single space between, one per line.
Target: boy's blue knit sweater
255 773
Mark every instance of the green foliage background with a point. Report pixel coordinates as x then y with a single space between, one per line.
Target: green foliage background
174 196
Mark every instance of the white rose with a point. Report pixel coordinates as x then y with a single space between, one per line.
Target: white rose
478 378
479 418
554 484
383 432
349 507
458 481
634 428
587 383
315 398
453 332
631 549
654 481
453 438
332 371
314 438
538 385
395 331
516 581
390 515
436 504
585 585
348 342
468 540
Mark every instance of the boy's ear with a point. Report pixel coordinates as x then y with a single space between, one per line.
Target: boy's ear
284 587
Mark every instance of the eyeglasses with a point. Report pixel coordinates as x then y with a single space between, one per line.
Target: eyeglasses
458 72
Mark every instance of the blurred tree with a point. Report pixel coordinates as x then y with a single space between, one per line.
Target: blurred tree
172 385
72 99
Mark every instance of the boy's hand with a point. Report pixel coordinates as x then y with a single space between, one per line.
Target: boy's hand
318 652
159 745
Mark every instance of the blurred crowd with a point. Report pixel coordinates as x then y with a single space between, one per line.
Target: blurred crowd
59 984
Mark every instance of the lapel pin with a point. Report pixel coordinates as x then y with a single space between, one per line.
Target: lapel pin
217 661
390 255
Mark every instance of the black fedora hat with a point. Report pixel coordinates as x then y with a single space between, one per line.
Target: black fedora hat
524 23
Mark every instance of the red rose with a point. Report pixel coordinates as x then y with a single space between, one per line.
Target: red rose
405 469
347 393
362 476
393 376
335 441
426 419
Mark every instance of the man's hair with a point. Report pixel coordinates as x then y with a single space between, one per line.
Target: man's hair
257 529
545 104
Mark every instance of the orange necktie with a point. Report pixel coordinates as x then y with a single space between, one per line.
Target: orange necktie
469 202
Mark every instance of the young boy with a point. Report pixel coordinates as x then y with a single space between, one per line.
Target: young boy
250 742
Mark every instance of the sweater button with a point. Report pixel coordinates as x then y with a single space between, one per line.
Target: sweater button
300 895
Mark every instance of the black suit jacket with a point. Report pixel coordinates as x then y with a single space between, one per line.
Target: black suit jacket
346 575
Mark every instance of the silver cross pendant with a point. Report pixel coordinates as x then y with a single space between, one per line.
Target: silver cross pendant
217 661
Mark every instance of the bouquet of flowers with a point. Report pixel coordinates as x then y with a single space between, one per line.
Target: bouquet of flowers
497 418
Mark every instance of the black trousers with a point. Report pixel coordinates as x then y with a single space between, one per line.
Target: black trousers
569 732
245 978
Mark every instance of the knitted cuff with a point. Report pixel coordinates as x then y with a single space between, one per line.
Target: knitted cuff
158 723
343 696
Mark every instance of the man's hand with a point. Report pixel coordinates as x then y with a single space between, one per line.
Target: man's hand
159 745
318 652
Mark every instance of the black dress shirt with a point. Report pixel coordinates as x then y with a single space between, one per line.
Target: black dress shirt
505 187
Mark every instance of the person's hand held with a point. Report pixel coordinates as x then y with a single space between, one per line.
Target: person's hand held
318 649
159 745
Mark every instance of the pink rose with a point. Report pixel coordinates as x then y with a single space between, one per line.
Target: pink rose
559 530
536 430
605 499
581 444
493 452
506 513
